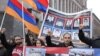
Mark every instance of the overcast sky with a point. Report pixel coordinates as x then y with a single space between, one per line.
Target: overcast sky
95 6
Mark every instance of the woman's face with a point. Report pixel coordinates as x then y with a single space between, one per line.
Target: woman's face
38 43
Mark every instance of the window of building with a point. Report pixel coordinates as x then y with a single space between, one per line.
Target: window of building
67 6
50 3
55 4
73 6
63 5
70 6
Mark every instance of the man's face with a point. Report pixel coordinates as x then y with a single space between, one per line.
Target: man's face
18 40
67 38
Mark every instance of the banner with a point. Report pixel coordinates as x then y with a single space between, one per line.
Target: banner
31 51
81 52
60 23
60 51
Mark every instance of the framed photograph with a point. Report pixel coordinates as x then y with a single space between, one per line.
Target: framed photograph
75 36
56 32
68 24
49 20
76 23
86 22
59 23
46 29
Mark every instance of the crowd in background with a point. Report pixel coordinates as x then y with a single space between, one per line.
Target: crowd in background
14 45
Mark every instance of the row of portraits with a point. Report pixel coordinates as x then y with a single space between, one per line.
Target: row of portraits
65 23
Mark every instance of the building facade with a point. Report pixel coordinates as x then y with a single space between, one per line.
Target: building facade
68 6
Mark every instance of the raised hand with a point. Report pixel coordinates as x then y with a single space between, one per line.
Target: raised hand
2 30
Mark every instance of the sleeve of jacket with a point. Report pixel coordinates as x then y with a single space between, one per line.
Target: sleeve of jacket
4 41
84 39
49 42
27 39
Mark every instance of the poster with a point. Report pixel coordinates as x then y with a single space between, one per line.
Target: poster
68 24
60 23
81 52
56 32
46 29
31 51
50 20
75 35
76 23
86 22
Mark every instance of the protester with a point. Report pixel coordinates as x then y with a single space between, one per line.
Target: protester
33 42
95 43
15 49
39 43
66 41
3 51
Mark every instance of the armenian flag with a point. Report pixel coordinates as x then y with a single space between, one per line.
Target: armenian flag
14 8
39 5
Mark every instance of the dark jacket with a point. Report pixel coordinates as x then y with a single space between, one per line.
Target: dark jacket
8 47
50 44
94 43
33 42
27 39
3 51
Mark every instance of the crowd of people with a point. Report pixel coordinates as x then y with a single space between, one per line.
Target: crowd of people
14 47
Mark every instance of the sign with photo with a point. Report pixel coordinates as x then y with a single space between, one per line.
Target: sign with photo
81 52
59 23
49 20
68 24
31 51
46 29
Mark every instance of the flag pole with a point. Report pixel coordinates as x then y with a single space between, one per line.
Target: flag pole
39 36
23 30
2 20
43 23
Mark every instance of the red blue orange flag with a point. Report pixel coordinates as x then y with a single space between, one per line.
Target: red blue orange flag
14 8
39 5
43 2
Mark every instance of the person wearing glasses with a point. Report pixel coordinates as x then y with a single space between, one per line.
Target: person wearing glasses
66 41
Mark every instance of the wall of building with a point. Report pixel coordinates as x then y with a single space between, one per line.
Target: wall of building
96 27
68 6
8 24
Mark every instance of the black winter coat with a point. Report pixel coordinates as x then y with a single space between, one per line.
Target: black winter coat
94 43
8 46
50 44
